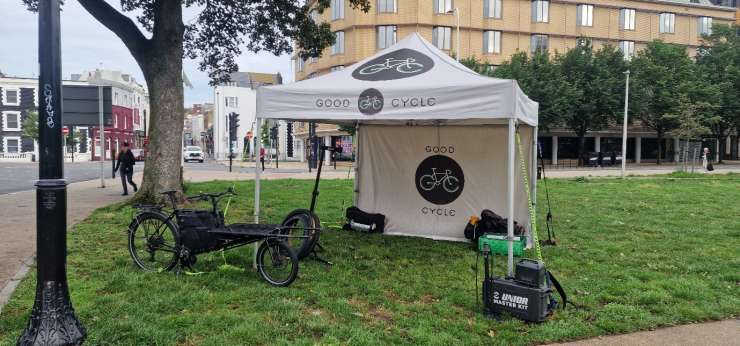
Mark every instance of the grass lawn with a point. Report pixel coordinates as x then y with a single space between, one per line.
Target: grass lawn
635 254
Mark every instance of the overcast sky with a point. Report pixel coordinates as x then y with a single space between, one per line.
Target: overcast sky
87 45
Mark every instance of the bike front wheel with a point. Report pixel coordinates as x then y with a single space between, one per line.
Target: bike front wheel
298 224
153 242
277 263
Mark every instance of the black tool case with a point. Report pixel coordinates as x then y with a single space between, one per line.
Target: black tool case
525 302
530 272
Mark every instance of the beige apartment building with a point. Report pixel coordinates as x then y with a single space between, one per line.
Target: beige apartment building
493 30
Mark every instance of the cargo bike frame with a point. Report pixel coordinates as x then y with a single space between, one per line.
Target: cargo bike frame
161 241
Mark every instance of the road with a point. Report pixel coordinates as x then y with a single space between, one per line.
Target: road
15 177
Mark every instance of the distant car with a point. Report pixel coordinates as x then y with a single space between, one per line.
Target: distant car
138 154
193 153
606 159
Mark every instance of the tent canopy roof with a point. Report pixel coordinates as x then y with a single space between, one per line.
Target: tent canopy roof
411 82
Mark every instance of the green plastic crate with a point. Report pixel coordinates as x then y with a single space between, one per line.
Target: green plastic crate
499 245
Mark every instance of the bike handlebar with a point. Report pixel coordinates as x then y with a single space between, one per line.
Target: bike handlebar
205 196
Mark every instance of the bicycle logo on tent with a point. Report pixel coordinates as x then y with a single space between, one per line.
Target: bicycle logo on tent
398 64
408 65
433 180
439 179
370 102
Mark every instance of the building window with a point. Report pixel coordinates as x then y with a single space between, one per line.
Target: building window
232 101
11 97
337 68
441 36
627 19
585 15
443 6
667 23
386 36
12 144
491 42
387 6
627 48
300 64
705 26
338 46
312 59
337 9
11 121
540 11
492 9
539 43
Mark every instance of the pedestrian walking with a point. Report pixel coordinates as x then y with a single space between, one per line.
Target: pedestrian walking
262 158
705 158
125 163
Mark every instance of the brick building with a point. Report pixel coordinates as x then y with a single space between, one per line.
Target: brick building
493 30
130 108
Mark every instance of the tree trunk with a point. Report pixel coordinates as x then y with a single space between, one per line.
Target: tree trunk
721 148
581 148
163 73
660 146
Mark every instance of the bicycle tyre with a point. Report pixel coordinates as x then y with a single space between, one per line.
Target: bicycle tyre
302 246
451 184
154 243
427 182
276 250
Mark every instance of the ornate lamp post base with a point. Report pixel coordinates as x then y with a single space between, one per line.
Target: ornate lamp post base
53 320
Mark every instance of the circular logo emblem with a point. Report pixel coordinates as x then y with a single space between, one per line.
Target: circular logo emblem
370 101
402 63
439 179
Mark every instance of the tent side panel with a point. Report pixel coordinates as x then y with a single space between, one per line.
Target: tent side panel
397 162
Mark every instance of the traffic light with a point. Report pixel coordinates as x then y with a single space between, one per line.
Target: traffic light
233 124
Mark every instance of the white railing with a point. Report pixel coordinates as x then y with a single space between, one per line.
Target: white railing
15 157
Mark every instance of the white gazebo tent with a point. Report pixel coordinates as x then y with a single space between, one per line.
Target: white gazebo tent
436 141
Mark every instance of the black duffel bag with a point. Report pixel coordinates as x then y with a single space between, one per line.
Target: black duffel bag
491 222
356 215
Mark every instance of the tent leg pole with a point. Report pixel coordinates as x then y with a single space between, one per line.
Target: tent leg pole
257 172
533 174
510 198
357 165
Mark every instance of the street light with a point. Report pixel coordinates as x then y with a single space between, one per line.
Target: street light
52 320
624 125
456 12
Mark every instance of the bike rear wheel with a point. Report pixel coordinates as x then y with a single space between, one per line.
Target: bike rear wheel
302 223
277 263
153 242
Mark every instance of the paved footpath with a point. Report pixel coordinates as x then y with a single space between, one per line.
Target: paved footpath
721 333
18 234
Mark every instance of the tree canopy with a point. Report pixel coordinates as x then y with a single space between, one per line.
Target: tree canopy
222 30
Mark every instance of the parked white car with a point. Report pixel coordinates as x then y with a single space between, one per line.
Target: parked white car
193 153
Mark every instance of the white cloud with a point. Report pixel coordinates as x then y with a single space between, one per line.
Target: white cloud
87 44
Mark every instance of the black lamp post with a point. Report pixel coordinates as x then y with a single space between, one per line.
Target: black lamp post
52 320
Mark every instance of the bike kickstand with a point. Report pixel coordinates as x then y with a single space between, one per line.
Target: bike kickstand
316 256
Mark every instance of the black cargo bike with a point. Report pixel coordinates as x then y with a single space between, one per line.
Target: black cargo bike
160 241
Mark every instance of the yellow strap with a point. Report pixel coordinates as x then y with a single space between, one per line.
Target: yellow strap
533 218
